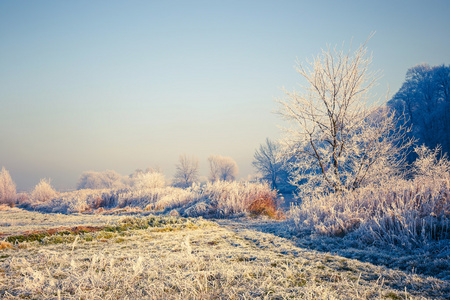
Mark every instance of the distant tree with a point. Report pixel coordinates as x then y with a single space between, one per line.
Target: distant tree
101 180
268 162
149 180
338 142
43 191
424 99
222 168
139 172
7 188
187 171
136 173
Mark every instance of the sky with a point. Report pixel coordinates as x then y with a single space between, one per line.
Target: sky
122 85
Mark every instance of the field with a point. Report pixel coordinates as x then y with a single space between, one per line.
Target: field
142 255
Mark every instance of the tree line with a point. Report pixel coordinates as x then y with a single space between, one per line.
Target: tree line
423 104
222 168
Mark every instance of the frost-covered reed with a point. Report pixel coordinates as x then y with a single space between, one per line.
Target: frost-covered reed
405 213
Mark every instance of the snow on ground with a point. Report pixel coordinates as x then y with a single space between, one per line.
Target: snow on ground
179 258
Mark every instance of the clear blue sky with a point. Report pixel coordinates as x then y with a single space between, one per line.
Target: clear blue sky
121 85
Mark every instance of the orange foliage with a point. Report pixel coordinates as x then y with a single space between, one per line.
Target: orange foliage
267 206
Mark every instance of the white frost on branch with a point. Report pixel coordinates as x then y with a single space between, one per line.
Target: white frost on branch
337 141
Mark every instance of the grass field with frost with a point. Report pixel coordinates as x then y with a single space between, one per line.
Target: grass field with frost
161 257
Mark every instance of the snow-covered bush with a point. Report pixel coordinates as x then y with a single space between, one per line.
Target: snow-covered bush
43 191
7 188
428 165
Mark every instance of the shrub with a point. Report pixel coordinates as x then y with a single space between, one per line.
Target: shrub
23 199
7 188
428 166
43 191
265 206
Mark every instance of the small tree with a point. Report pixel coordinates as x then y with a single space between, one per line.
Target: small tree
339 142
43 191
187 171
7 188
222 168
267 161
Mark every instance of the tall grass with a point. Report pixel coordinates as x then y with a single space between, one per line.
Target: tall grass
229 198
405 213
218 199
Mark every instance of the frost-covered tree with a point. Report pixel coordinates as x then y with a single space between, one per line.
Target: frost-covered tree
337 140
268 162
222 168
424 99
149 180
187 171
139 172
101 180
7 188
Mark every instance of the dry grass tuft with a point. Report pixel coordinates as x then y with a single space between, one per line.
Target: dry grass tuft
5 207
5 245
